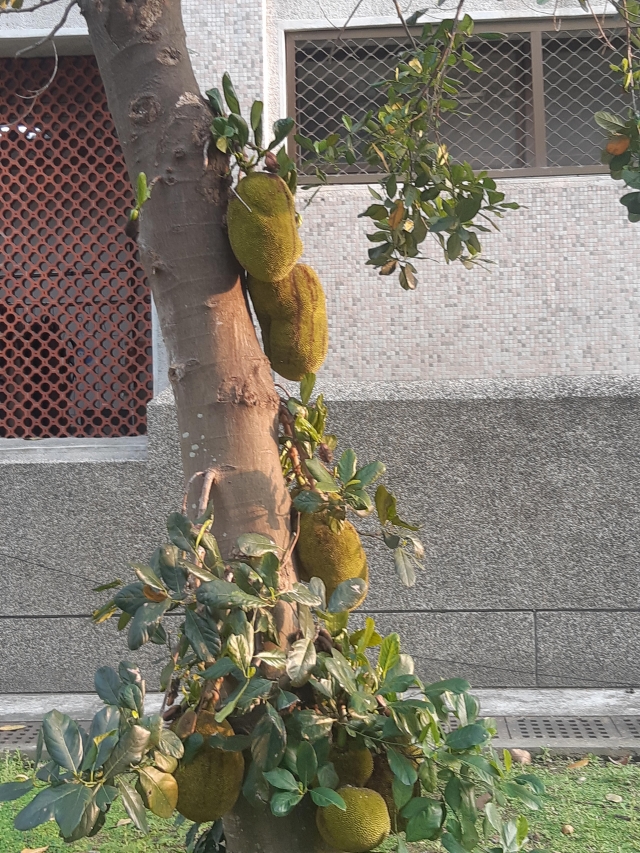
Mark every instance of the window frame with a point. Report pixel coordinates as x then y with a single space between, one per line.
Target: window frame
533 27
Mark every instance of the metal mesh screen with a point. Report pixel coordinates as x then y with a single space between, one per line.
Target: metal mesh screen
530 109
75 314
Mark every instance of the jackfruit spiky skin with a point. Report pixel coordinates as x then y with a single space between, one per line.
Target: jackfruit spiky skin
333 557
292 314
353 766
363 826
209 786
262 227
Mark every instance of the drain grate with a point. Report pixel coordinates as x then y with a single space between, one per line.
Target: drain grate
12 737
561 728
628 727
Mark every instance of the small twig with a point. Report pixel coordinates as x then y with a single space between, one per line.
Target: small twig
174 657
241 199
404 24
343 29
185 499
292 544
207 482
51 35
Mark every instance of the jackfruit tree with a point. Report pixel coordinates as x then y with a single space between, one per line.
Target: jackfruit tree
283 728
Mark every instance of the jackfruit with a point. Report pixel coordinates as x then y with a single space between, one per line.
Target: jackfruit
353 766
363 826
262 227
210 784
333 557
293 317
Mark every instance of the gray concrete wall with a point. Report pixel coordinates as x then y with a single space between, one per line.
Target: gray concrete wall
528 493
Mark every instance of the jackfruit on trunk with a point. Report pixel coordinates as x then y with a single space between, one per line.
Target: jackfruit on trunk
210 784
261 222
333 557
293 318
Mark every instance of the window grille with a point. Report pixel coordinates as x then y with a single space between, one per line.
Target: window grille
529 112
75 312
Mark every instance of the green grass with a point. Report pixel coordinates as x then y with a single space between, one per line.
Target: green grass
577 797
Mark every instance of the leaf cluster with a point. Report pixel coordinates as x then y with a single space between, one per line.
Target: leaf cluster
125 754
422 192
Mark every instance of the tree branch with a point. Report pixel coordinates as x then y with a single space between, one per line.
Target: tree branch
54 31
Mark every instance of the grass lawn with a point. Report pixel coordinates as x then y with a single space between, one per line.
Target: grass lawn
574 796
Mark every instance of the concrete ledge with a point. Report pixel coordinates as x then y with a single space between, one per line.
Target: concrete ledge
20 451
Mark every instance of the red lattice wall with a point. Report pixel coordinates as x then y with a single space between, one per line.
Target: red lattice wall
75 314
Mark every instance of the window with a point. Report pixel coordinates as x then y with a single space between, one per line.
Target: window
75 311
530 111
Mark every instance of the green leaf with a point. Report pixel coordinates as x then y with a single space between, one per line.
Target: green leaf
308 501
484 770
269 740
220 668
129 751
451 845
283 802
105 586
159 791
467 736
170 744
389 653
323 797
369 473
425 825
233 743
69 809
215 101
145 622
449 685
281 129
283 779
347 595
307 385
327 776
404 567
107 685
306 763
531 781
230 94
313 726
401 793
524 794
142 190
275 658
347 466
14 790
255 545
403 769
256 122
219 594
610 122
180 531
301 594
130 597
324 480
40 809
338 666
63 741
203 635
300 661
133 805
172 571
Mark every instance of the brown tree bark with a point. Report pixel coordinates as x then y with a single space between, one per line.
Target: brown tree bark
226 402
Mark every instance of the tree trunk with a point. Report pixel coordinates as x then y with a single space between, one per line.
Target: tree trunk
226 402
250 831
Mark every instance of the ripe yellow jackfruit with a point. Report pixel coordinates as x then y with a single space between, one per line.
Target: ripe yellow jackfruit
363 826
262 227
353 766
293 317
209 786
333 557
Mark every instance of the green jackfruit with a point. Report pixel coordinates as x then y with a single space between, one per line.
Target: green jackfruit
262 227
333 557
364 825
293 317
353 766
210 784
